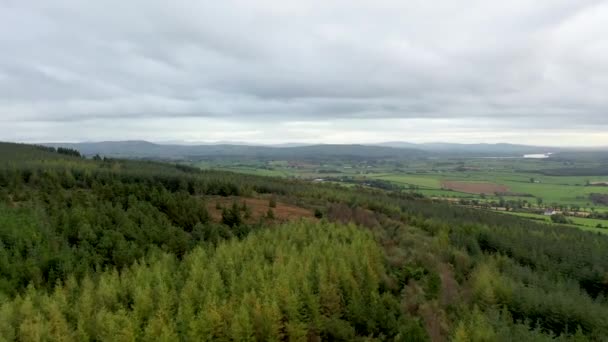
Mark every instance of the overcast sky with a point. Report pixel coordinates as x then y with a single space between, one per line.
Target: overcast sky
269 71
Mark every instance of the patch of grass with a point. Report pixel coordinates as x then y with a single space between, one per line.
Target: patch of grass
579 222
406 179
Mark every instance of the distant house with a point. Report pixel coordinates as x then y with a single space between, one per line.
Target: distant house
550 212
318 180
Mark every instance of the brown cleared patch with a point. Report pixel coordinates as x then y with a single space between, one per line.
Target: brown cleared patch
475 188
344 214
258 207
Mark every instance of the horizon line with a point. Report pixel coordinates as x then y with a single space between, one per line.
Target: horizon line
250 143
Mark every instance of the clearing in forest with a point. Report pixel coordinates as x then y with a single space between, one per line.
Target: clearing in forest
258 208
475 187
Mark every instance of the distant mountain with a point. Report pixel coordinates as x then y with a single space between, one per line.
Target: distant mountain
289 151
227 142
144 149
398 144
290 145
353 151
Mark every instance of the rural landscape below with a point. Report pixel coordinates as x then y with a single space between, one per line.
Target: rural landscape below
321 170
560 185
131 240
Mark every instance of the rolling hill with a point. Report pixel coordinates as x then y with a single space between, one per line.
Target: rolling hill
147 150
394 150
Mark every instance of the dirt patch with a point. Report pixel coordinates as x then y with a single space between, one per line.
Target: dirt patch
601 199
474 188
258 208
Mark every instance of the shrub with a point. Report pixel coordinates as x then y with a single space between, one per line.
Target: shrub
270 214
318 213
559 218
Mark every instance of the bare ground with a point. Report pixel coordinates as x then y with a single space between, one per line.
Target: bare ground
258 207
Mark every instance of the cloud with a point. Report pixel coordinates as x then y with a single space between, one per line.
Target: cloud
250 65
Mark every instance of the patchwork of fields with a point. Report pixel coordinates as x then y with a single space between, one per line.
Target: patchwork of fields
473 179
525 186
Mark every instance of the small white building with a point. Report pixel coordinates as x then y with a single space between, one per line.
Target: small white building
550 212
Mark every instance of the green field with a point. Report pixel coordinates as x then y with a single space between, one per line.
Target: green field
406 180
553 190
579 222
522 177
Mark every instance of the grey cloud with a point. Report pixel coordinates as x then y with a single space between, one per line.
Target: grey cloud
263 61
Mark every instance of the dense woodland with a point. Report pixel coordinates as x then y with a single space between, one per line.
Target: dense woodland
115 250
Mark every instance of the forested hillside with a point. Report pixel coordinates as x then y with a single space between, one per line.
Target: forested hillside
115 250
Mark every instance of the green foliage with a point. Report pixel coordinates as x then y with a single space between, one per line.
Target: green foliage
318 213
10 152
68 151
110 249
281 287
559 218
232 216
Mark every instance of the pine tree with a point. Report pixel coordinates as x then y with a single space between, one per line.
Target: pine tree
160 328
59 329
461 334
270 214
241 328
7 321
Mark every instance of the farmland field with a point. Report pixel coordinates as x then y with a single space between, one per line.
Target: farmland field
579 222
475 187
512 186
482 179
405 179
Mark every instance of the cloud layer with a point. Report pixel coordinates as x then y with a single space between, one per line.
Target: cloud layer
333 71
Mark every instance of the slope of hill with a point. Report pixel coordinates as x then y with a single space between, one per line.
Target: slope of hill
10 152
95 249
